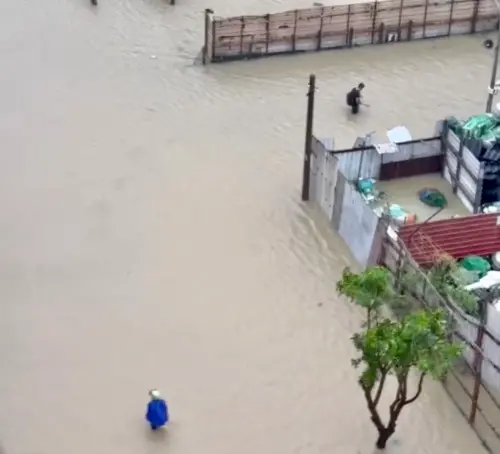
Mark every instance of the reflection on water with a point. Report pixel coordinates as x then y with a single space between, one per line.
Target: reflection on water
153 234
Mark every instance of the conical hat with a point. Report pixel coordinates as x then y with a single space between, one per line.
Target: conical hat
155 394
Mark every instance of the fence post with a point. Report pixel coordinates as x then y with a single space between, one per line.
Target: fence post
242 31
320 33
348 26
267 33
478 360
399 268
306 175
208 11
443 146
360 167
294 37
350 37
459 158
450 21
212 56
473 19
425 18
374 20
479 190
400 18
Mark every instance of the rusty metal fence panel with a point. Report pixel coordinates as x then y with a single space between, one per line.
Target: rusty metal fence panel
330 27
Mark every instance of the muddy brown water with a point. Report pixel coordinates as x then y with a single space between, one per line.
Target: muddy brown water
153 234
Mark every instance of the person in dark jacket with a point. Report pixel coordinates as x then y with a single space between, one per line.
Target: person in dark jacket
157 411
353 98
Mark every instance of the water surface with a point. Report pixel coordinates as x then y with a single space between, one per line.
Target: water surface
153 234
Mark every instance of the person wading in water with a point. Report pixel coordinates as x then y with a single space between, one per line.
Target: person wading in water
353 98
157 410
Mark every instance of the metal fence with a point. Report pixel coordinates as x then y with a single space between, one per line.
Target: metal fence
414 157
473 383
462 170
348 25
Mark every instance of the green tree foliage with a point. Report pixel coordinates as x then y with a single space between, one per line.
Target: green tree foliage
370 290
417 343
448 279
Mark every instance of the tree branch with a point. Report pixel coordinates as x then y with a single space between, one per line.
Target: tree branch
397 405
373 410
404 384
380 388
419 390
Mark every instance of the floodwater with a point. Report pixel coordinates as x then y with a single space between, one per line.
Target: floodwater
153 234
403 192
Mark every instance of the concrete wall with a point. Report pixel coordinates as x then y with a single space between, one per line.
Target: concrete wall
349 215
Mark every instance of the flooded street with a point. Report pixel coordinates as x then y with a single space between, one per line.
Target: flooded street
153 234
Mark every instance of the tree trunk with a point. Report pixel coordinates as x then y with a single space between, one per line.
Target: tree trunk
383 437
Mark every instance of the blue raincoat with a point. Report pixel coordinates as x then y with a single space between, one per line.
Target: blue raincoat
157 413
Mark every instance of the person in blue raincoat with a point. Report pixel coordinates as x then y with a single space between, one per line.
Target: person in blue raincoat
157 411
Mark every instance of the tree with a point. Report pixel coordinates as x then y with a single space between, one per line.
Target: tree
418 342
370 290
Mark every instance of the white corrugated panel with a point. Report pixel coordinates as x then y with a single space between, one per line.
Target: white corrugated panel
453 140
447 175
329 144
465 200
451 162
350 162
491 349
468 184
471 162
330 180
414 150
358 223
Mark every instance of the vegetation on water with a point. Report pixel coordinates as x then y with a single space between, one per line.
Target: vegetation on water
416 344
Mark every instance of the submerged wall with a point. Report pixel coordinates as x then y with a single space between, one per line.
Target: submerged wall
349 215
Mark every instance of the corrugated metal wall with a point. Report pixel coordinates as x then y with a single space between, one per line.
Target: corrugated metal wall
471 235
360 164
414 150
368 163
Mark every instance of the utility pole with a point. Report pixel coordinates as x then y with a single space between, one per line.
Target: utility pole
308 142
